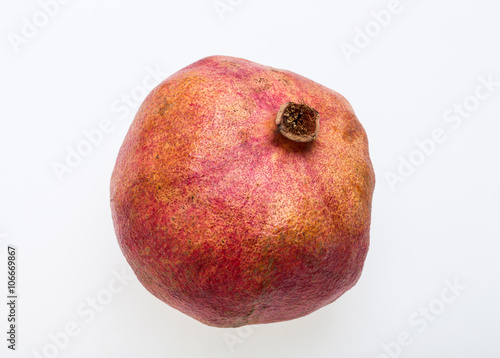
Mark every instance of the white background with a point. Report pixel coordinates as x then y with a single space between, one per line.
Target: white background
440 223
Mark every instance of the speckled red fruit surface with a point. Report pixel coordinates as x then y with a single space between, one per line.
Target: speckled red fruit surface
224 218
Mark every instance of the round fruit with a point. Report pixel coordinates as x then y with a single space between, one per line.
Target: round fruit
242 193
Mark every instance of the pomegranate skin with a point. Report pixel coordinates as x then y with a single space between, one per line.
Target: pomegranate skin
222 217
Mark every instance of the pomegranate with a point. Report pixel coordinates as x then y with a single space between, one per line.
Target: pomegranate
242 193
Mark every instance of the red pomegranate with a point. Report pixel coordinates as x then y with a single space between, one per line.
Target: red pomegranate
242 193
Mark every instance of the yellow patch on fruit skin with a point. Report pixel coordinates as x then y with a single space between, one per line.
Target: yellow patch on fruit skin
274 157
